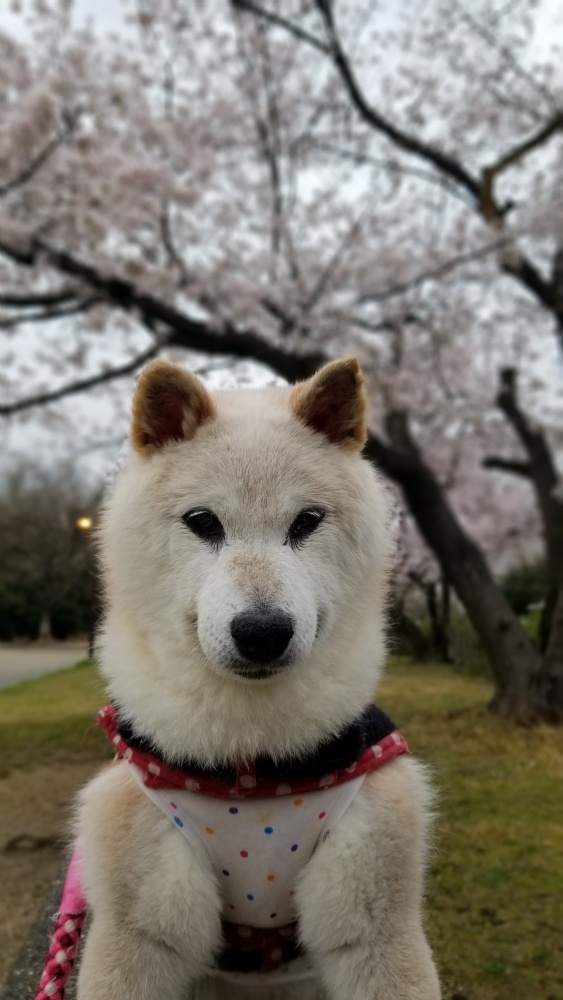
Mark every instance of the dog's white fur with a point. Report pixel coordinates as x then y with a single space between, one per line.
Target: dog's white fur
166 652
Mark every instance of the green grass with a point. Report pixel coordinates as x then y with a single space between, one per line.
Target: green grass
495 886
495 892
52 719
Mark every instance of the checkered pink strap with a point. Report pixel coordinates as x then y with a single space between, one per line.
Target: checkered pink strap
65 940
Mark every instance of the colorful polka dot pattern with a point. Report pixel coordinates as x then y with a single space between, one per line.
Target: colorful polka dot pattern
257 848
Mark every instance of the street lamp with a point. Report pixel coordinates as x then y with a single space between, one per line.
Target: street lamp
84 523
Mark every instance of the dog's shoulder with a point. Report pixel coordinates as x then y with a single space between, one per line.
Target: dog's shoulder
112 816
111 798
402 789
391 813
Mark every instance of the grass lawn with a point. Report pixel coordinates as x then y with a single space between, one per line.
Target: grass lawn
48 749
495 891
51 720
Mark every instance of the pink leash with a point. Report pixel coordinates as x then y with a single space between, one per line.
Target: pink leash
65 940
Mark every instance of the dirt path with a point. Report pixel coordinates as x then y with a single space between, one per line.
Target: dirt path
23 663
34 832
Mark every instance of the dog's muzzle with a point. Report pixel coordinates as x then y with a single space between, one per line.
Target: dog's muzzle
262 635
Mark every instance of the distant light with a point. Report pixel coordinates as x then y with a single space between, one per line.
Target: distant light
84 523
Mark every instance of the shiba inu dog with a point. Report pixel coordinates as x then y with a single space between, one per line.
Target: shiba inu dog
248 843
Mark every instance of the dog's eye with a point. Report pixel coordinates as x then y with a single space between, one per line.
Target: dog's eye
304 524
206 525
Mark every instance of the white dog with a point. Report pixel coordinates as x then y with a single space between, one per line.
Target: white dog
247 844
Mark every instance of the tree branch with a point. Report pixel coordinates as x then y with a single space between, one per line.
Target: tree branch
489 207
393 166
513 465
281 22
182 330
557 285
48 314
490 38
387 325
446 164
169 245
17 300
437 272
40 159
426 151
84 384
519 266
531 437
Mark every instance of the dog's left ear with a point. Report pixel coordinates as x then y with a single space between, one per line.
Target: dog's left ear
334 402
169 404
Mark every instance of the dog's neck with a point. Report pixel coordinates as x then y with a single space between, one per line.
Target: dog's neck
336 754
190 711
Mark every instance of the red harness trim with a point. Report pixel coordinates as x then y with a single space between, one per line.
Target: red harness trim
157 774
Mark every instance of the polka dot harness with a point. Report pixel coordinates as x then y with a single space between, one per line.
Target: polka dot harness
259 824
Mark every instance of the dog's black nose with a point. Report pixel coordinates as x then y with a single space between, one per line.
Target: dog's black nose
262 635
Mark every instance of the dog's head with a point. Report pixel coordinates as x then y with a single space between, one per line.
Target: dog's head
247 541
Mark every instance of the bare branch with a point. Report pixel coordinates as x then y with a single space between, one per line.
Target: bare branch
489 207
267 126
281 22
82 386
490 38
45 315
426 151
20 253
437 272
392 166
386 325
18 300
518 266
35 164
532 438
169 245
557 284
334 262
513 465
527 274
183 331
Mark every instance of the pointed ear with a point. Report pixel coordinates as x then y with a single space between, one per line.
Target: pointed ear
169 405
334 402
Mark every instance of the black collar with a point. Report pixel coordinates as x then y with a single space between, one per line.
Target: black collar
335 754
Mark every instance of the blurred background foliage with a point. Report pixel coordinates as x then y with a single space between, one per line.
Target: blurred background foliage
48 585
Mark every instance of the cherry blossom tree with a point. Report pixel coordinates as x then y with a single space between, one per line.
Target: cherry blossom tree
289 182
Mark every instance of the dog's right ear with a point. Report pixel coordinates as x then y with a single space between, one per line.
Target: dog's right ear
169 405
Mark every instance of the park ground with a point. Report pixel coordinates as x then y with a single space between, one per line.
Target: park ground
495 885
35 659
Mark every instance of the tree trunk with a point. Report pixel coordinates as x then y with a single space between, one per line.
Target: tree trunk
549 683
45 625
516 663
540 470
406 634
439 621
438 608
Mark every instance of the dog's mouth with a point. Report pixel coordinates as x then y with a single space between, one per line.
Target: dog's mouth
249 671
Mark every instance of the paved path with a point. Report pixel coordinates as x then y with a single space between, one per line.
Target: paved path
23 663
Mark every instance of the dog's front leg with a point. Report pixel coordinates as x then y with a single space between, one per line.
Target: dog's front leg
154 899
121 963
360 896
